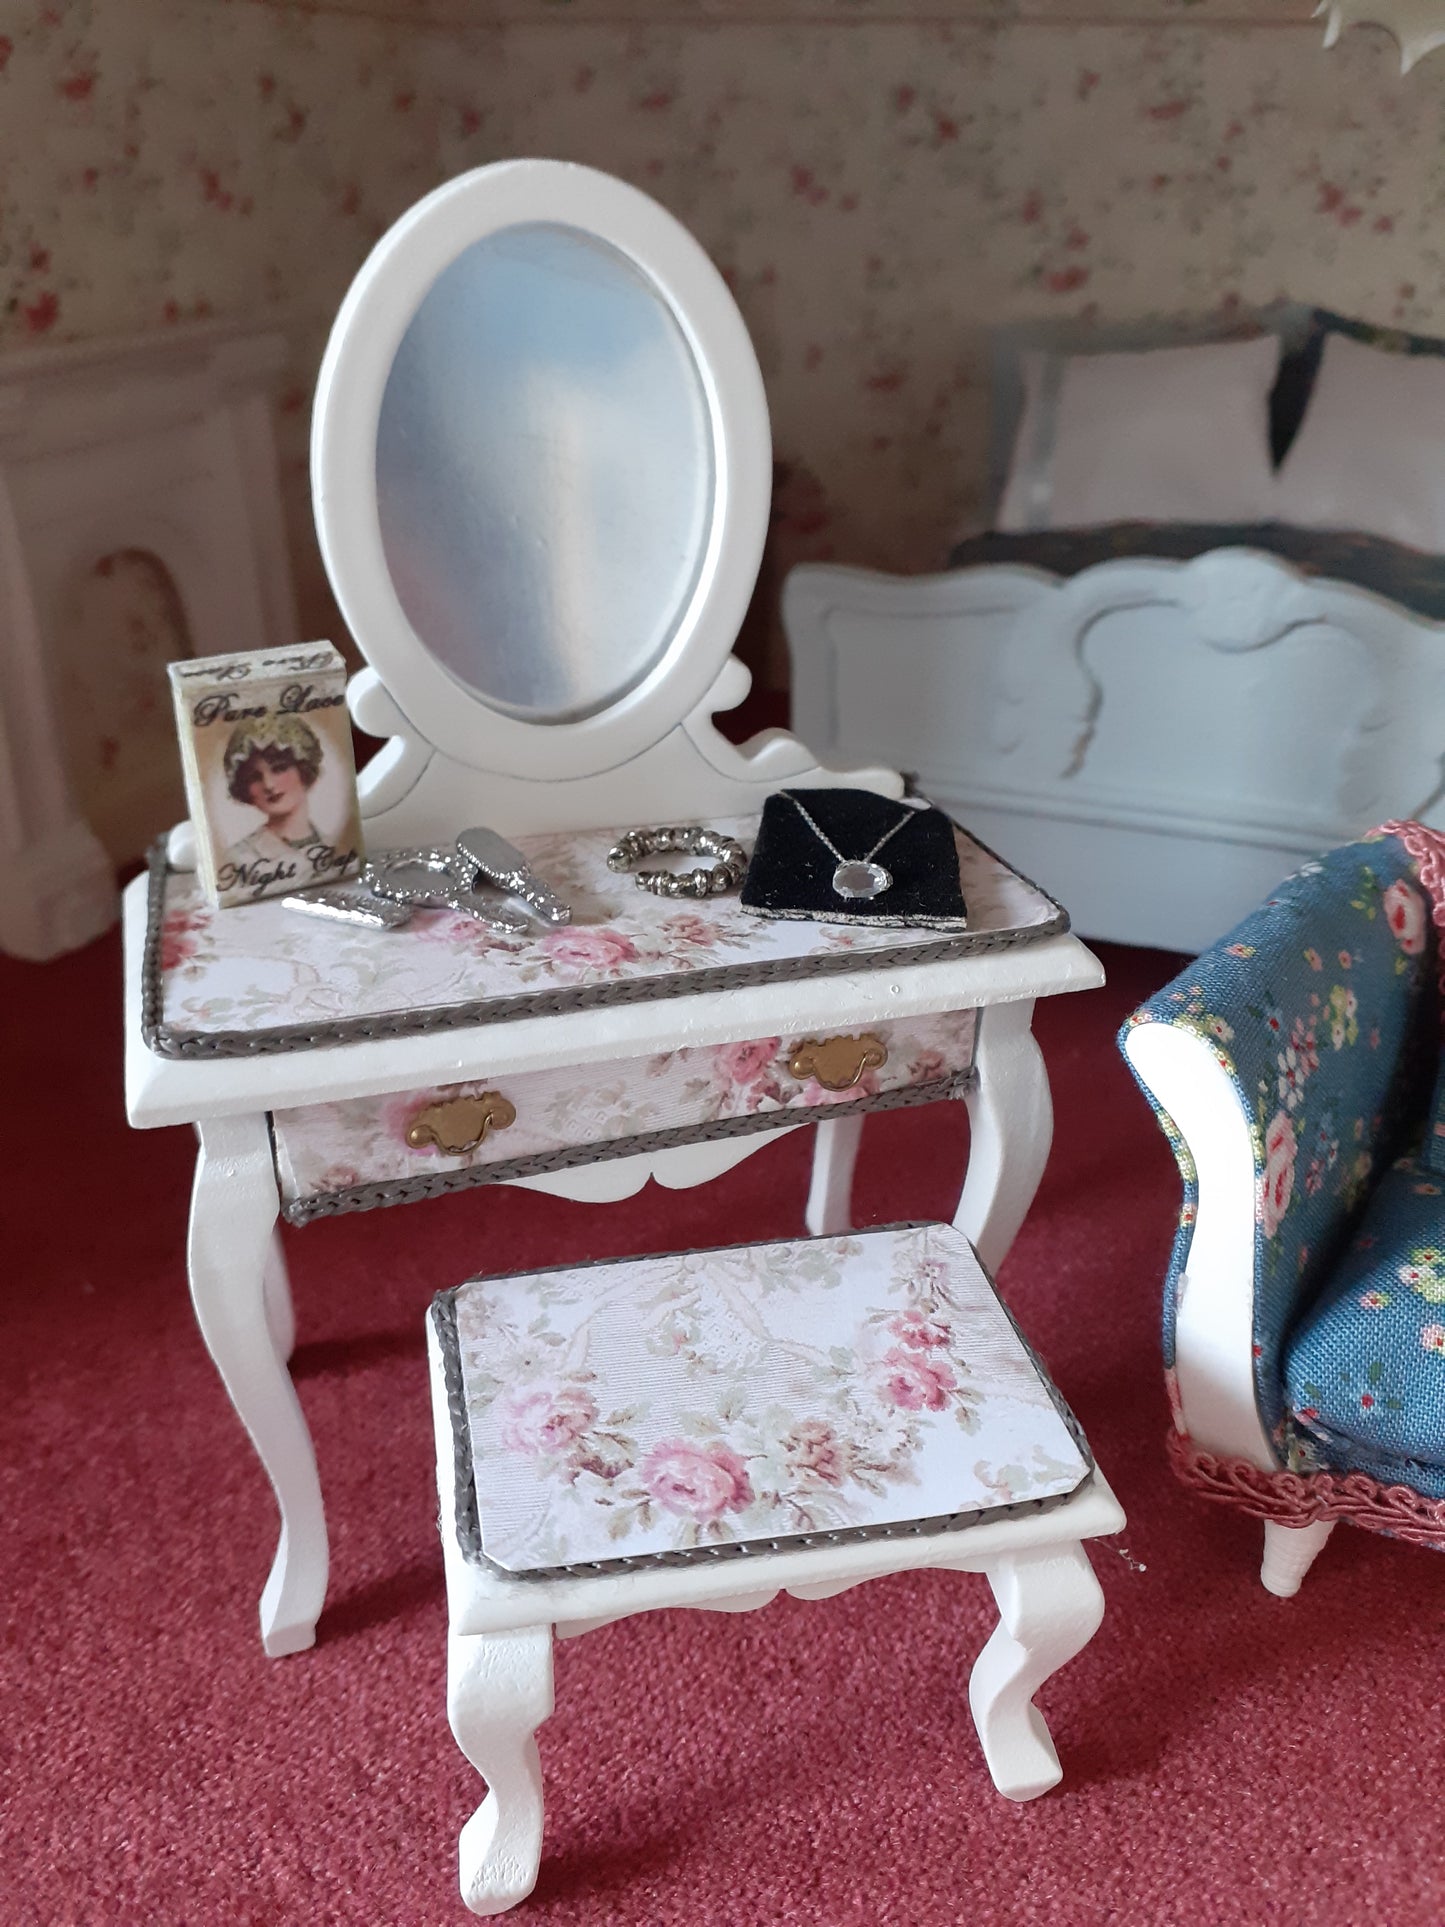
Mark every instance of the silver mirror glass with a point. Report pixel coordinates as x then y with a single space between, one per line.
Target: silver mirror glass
545 472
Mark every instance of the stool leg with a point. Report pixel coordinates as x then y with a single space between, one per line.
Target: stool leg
499 1691
830 1194
1050 1606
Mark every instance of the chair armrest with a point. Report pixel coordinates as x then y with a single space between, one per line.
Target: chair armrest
1209 1289
1312 1015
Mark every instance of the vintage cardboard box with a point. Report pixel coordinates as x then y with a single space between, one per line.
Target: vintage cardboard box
270 776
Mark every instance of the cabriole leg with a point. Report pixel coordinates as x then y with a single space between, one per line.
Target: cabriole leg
1289 1552
1012 1126
1050 1606
499 1691
280 1311
233 1219
830 1195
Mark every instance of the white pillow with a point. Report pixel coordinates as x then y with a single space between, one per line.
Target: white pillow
1370 452
1165 435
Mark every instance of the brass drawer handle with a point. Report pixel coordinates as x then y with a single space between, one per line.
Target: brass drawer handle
838 1063
458 1125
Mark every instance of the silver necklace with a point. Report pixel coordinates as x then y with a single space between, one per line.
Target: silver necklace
856 876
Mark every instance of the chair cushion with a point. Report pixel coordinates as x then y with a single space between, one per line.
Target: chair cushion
1365 1370
704 1400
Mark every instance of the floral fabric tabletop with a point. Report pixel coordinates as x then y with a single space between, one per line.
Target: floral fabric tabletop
261 967
654 1405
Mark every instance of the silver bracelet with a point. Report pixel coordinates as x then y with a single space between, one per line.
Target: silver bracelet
732 860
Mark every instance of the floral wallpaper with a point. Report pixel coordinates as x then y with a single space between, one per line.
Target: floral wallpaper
881 190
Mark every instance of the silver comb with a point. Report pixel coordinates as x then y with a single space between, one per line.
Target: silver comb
350 903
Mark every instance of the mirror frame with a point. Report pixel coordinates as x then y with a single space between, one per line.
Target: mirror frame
369 327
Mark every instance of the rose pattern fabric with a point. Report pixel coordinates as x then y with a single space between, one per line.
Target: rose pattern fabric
1322 1008
1433 1148
326 1148
1365 1369
656 1404
699 1482
260 966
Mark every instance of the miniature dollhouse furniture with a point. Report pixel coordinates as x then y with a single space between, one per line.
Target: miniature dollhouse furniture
541 475
159 447
1115 728
698 1497
1291 1068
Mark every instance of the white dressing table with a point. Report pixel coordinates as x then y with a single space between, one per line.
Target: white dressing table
541 469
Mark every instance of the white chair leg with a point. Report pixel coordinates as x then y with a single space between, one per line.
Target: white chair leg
1050 1605
499 1691
830 1195
233 1218
280 1311
1012 1118
1289 1552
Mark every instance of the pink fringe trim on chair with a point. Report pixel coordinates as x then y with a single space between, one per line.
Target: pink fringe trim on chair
1299 1499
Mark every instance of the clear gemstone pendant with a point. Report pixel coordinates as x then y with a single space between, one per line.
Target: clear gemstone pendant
858 879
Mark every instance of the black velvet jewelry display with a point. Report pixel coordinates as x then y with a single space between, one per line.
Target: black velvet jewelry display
791 872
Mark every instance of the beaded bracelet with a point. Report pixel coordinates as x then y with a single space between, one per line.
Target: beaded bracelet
732 860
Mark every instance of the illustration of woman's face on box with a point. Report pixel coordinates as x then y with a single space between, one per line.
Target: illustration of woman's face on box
272 782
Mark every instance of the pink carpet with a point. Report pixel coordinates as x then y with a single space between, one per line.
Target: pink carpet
1229 1757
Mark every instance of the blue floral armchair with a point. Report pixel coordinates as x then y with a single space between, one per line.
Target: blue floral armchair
1295 1069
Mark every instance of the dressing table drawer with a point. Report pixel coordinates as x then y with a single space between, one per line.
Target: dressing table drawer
356 1153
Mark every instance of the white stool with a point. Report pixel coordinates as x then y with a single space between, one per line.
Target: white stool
629 1425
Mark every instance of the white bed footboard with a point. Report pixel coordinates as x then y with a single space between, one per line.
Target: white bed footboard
1156 743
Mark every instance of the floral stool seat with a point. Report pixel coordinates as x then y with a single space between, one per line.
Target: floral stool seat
712 1428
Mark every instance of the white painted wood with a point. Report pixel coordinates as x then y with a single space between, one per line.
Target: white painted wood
676 1169
1214 1321
368 331
1416 24
1050 1606
830 1192
499 1643
178 1091
160 443
499 1691
1289 1552
1117 734
1011 1117
234 1206
423 795
280 1310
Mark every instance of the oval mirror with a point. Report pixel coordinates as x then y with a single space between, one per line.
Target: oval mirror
544 472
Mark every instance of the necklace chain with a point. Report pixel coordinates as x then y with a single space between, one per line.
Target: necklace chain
829 844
